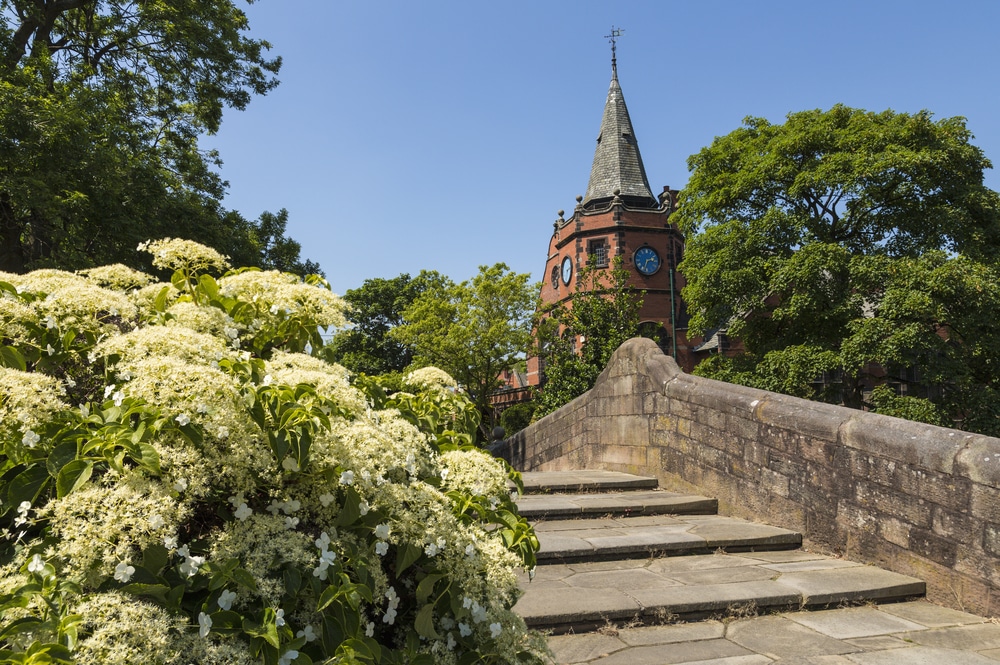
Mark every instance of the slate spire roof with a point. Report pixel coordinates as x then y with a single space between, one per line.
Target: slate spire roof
617 162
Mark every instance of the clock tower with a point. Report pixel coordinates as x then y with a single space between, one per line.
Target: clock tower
620 217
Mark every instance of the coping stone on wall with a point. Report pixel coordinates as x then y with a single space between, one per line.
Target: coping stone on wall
916 444
979 460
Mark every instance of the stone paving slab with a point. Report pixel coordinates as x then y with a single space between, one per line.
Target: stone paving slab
658 502
631 537
584 481
585 595
910 633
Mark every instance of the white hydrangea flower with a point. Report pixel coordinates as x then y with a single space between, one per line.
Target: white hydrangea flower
183 419
226 599
308 632
36 564
204 624
30 439
124 572
347 478
243 512
326 499
495 630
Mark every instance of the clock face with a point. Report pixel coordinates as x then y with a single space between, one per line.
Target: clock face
567 269
646 260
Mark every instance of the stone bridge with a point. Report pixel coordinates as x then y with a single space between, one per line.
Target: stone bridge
915 499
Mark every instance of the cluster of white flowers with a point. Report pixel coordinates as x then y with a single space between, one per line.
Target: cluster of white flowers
73 301
220 495
117 277
177 254
280 294
430 377
27 399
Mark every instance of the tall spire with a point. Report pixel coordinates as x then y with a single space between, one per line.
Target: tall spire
617 162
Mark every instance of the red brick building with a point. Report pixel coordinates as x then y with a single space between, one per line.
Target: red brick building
620 217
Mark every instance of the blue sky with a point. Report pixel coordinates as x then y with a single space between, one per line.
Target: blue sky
447 135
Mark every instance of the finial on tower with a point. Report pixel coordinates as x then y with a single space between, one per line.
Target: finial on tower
613 38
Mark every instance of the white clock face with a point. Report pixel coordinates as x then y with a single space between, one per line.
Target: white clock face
567 270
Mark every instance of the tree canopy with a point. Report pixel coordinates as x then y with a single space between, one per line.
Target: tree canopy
102 103
578 338
474 330
838 243
374 309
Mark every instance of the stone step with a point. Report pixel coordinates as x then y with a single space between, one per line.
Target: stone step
907 633
536 482
593 594
602 539
656 502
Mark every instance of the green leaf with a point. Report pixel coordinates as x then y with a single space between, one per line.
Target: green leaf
73 476
179 280
267 632
226 620
27 485
350 512
61 455
18 626
329 594
147 458
245 579
155 558
406 556
158 591
209 286
11 357
424 623
426 587
160 302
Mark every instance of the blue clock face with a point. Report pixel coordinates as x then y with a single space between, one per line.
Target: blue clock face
567 269
646 260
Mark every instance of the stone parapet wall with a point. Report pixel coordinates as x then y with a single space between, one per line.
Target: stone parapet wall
913 498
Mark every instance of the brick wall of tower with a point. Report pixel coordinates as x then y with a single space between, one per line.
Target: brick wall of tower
622 231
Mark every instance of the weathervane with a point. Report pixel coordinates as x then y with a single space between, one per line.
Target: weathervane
613 38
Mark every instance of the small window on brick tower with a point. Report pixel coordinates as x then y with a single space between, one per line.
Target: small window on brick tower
555 277
598 253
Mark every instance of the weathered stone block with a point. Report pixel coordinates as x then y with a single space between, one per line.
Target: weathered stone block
933 547
916 444
810 419
895 531
884 501
985 503
979 460
957 527
991 538
774 482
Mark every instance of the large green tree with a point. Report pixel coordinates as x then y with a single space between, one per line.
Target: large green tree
102 103
576 339
375 308
474 330
854 246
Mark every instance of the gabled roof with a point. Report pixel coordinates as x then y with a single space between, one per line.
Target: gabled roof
617 162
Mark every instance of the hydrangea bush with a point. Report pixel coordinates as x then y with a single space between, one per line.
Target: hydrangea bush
182 482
